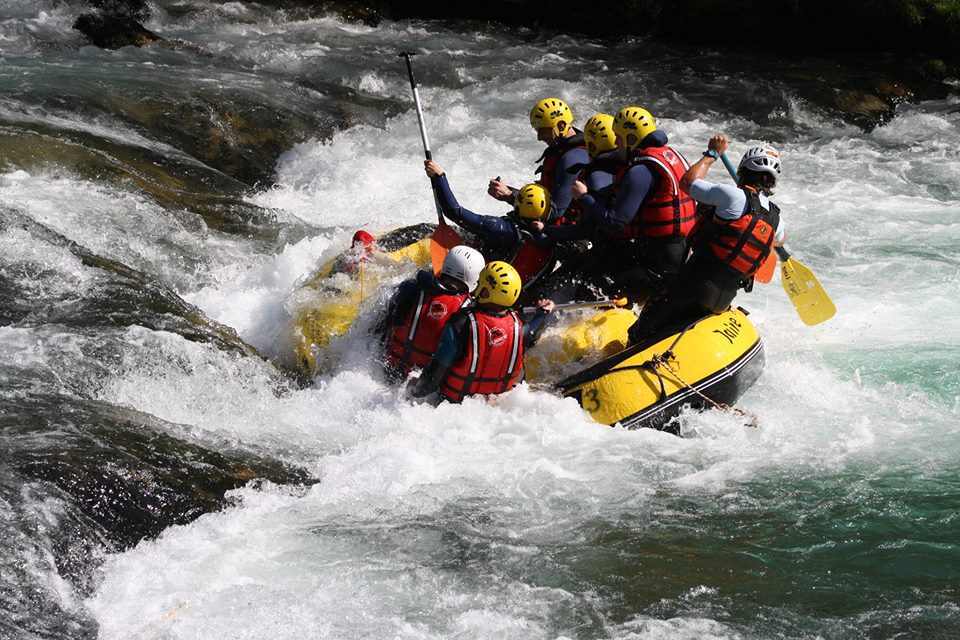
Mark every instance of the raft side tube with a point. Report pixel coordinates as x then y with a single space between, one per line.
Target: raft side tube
719 356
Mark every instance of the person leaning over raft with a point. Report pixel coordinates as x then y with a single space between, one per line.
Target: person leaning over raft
349 262
508 238
553 121
739 228
419 309
481 350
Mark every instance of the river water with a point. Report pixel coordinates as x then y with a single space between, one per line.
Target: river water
145 306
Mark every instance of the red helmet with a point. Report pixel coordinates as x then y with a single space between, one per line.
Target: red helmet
361 237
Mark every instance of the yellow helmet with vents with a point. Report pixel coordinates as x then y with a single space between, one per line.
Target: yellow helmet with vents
550 113
499 284
533 202
598 134
633 121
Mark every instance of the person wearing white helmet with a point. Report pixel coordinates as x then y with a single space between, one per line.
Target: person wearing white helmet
420 308
737 228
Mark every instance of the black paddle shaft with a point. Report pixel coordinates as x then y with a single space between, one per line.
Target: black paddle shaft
406 55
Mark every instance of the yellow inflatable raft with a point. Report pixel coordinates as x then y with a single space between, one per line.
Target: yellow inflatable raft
711 361
326 305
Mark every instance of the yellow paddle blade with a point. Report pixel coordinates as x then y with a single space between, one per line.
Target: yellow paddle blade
812 303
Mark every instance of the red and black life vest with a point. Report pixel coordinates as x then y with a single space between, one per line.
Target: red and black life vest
551 156
743 244
548 173
668 213
413 343
528 259
493 362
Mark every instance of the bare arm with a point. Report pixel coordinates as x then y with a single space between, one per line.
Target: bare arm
700 168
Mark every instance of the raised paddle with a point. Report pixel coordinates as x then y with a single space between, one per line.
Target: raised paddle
765 273
619 302
808 296
444 236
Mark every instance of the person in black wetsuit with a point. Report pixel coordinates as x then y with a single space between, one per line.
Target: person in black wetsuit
481 349
553 121
509 238
642 232
416 314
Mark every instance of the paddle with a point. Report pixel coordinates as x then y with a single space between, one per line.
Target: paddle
444 236
765 273
811 301
619 302
808 296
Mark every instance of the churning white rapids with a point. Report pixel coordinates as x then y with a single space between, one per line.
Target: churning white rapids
516 517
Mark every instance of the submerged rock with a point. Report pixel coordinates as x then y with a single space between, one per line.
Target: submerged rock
123 297
113 31
864 109
125 471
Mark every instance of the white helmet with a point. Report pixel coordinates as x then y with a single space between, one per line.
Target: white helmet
763 159
463 264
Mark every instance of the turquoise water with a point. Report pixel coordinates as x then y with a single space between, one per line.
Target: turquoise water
145 326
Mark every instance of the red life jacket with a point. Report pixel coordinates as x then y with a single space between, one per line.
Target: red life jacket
493 362
548 173
528 259
413 343
743 244
668 213
552 155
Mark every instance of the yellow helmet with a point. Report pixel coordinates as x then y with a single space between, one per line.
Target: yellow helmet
499 284
598 132
533 202
635 121
548 113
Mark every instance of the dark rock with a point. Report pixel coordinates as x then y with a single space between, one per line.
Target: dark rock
109 31
864 109
124 469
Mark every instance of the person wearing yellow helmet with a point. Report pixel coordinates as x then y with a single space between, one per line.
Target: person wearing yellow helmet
413 319
481 349
643 229
511 237
570 234
553 121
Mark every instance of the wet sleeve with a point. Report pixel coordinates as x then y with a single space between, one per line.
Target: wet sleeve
534 327
599 182
448 351
397 308
492 229
564 179
615 217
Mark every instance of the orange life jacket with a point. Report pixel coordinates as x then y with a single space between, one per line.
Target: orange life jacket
493 362
413 343
743 244
668 213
